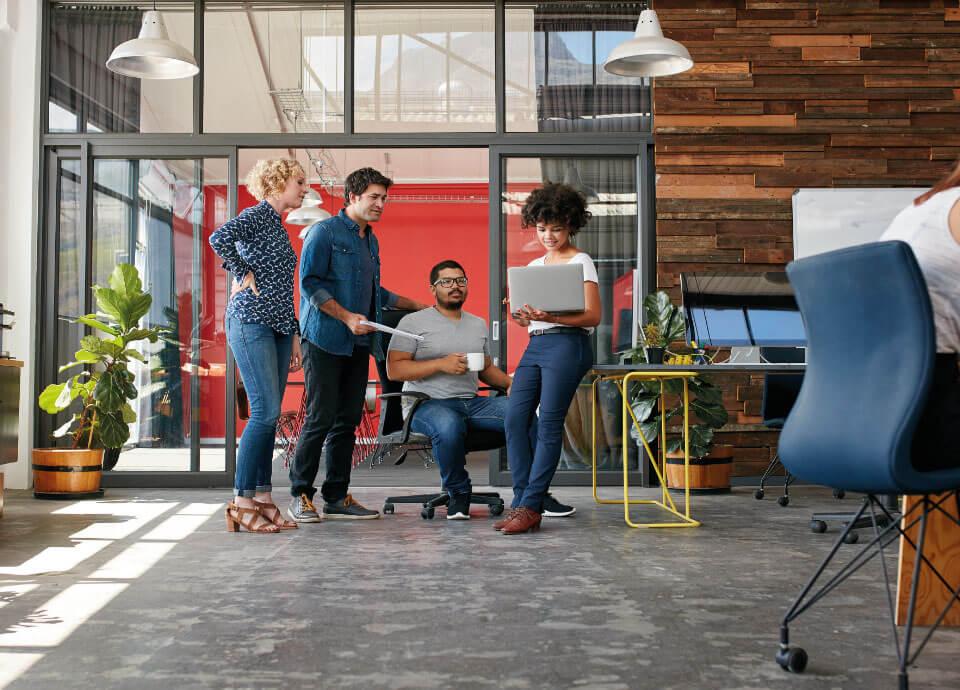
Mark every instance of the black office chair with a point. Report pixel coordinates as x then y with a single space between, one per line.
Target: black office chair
779 393
394 434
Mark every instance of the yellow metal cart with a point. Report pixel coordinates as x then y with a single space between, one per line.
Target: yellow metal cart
622 379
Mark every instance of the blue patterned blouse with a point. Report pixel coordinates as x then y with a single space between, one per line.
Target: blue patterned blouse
257 241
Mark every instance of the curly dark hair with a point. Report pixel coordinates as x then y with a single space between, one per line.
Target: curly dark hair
358 181
555 203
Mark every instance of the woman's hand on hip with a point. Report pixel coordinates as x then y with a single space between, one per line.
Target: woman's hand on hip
296 357
248 282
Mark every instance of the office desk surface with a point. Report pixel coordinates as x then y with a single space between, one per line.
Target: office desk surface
610 369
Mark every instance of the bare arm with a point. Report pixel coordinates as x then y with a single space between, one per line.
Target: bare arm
493 376
333 308
401 367
953 220
410 305
588 318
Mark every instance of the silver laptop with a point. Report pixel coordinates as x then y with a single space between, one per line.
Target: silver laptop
554 289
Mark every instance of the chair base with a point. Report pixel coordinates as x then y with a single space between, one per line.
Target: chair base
794 659
431 502
788 479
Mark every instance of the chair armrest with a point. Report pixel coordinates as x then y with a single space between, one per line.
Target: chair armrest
418 398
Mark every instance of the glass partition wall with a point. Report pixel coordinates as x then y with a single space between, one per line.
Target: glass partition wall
467 105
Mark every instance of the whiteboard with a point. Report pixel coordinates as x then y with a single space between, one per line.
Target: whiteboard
834 218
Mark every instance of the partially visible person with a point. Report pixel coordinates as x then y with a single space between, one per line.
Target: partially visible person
339 290
931 226
262 330
557 357
437 366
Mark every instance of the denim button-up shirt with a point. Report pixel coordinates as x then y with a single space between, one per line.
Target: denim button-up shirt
257 241
330 269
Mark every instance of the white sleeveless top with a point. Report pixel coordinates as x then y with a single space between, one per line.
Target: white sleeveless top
589 276
926 230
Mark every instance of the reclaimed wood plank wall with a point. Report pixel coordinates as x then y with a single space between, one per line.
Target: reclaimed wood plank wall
790 94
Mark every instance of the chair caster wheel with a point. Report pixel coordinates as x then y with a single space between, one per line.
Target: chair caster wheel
783 501
758 494
818 526
839 493
388 509
496 509
792 660
851 538
427 513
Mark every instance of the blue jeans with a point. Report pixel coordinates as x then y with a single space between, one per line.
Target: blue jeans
447 422
548 375
263 358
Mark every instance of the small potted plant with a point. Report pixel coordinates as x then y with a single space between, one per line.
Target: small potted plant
104 389
710 464
656 345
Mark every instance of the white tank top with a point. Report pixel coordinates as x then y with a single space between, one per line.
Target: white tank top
925 228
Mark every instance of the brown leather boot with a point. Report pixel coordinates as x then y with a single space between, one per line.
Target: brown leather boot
502 523
525 520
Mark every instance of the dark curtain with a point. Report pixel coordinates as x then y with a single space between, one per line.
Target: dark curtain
82 39
571 98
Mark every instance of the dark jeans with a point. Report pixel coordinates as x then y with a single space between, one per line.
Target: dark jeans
447 422
336 386
548 375
263 358
936 442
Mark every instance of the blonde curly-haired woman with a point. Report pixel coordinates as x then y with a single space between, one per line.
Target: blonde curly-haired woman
262 330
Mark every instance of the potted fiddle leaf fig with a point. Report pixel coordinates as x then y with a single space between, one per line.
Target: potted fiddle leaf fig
104 389
705 405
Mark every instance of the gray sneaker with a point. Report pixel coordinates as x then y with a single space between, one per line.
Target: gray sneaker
348 509
302 510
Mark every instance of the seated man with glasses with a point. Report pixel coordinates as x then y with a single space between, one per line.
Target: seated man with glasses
438 366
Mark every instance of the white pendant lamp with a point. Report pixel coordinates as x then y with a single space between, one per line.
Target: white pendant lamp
152 55
312 198
572 178
648 53
306 215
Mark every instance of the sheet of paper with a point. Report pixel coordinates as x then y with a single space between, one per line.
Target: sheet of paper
392 331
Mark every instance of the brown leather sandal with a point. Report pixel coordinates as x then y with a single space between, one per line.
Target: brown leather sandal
235 522
273 514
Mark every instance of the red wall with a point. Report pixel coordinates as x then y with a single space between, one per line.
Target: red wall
417 231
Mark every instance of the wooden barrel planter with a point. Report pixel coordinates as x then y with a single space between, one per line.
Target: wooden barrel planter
708 475
67 473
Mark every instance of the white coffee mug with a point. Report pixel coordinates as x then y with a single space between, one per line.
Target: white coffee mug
475 361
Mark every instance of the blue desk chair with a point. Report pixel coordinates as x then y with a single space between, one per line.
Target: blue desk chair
870 360
779 393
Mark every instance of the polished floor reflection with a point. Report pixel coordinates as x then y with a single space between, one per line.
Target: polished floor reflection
146 589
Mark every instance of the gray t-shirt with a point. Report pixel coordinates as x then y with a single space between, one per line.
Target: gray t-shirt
367 270
441 336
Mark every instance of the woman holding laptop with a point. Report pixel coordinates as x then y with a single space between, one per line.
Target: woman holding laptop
556 359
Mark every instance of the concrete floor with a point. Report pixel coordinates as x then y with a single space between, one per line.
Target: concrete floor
145 589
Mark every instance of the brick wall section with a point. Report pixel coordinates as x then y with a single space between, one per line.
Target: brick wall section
788 94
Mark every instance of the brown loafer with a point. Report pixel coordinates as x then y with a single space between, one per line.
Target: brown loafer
525 520
503 523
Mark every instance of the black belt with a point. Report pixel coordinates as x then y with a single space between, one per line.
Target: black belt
562 329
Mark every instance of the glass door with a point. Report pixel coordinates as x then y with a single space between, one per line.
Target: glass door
615 238
155 213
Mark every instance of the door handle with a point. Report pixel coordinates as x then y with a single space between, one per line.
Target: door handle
496 330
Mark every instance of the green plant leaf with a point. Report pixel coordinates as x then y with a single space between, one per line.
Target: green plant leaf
49 396
86 357
64 429
68 366
127 413
92 343
139 305
125 279
114 432
707 393
643 405
109 391
66 395
91 320
712 415
135 355
673 445
141 334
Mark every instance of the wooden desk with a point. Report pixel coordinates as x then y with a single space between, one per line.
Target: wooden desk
942 549
9 414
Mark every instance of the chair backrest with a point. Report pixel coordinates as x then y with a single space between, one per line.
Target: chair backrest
780 390
391 409
870 353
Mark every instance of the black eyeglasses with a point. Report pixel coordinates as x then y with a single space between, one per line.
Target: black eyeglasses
448 282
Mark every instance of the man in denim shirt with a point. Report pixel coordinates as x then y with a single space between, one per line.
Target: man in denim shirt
339 289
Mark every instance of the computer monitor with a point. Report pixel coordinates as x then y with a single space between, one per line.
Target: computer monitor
741 310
